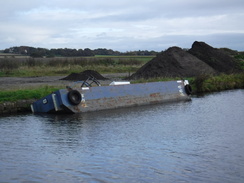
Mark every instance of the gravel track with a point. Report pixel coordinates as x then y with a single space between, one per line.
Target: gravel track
13 83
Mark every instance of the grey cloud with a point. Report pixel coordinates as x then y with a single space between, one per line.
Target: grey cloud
122 24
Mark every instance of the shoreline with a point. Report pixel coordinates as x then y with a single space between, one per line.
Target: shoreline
16 107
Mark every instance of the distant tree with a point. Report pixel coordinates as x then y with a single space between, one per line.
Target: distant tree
68 52
6 51
88 52
36 55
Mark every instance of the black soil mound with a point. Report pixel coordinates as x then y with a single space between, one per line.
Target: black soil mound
84 76
216 58
174 62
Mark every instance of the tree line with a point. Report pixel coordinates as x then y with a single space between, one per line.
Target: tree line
68 52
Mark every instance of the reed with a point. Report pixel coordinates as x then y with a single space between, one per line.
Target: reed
67 65
221 82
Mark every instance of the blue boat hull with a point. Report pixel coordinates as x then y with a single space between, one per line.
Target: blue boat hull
86 99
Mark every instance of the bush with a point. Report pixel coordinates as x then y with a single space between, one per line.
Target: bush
199 82
9 64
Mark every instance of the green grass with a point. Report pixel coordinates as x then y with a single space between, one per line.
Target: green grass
25 94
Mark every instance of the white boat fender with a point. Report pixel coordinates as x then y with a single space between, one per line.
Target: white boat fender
74 97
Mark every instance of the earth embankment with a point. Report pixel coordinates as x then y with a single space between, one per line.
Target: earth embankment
201 59
174 62
218 59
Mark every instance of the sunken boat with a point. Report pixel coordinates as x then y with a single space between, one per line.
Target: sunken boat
117 94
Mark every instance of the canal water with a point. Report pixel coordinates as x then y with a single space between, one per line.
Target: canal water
201 140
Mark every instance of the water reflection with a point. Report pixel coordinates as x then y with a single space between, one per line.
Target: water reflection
197 141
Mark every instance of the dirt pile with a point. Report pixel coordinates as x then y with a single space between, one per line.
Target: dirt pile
174 62
82 76
218 59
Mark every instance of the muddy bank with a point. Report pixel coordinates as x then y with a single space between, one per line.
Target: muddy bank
15 107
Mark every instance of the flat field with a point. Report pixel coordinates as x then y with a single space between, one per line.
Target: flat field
58 66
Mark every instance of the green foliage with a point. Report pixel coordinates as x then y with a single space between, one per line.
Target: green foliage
199 82
239 56
221 82
240 59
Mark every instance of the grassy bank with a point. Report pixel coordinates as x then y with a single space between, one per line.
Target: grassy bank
205 83
199 84
15 95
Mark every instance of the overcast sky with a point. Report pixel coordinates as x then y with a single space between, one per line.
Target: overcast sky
122 25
